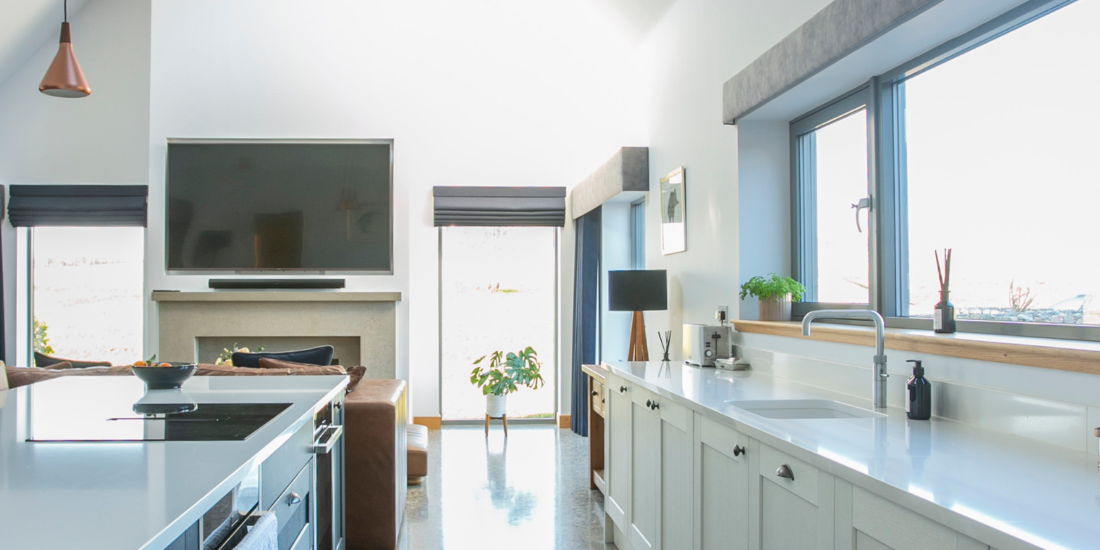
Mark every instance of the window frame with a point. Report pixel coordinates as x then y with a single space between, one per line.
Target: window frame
887 180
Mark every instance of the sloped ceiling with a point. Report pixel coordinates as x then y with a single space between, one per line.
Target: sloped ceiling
636 17
26 26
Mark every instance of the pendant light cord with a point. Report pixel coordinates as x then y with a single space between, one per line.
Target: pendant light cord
66 11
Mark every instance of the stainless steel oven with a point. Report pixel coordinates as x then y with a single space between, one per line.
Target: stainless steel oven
328 470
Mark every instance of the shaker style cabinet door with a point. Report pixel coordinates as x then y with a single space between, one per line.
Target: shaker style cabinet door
677 477
790 502
878 524
645 469
721 487
619 449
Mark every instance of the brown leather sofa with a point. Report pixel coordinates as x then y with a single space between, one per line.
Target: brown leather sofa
375 449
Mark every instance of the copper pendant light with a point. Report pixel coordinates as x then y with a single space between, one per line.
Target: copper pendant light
64 77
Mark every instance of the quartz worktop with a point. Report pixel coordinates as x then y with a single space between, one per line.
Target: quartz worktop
1002 489
133 495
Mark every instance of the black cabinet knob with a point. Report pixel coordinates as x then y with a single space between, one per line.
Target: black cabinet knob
595 393
649 403
622 389
656 405
738 450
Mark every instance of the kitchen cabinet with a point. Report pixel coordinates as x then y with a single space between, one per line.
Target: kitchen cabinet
617 462
677 483
645 468
721 486
870 522
790 502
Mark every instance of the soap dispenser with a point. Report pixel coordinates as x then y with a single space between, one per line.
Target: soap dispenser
918 402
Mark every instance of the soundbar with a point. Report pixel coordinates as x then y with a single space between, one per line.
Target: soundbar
260 284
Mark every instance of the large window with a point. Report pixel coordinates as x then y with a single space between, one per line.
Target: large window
86 299
985 147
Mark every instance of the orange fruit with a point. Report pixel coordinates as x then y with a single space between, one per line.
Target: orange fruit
140 364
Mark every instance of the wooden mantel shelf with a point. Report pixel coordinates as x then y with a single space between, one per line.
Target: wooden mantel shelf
1068 355
275 296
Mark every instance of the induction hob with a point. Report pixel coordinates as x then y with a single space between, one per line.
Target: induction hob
165 421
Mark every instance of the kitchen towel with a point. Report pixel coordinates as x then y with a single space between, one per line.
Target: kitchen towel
263 535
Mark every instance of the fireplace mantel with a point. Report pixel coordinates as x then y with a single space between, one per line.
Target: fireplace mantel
362 326
274 296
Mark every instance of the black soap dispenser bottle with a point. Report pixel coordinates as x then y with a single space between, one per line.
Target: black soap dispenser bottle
918 405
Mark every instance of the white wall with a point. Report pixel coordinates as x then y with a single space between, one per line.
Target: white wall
99 139
473 93
696 47
614 256
764 195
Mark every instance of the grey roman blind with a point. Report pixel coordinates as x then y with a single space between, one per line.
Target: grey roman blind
78 205
500 206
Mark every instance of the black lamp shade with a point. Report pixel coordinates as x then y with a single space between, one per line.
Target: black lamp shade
641 290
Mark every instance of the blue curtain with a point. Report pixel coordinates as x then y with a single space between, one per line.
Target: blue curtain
586 306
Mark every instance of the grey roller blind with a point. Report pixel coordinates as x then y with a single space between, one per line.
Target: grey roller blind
500 206
78 205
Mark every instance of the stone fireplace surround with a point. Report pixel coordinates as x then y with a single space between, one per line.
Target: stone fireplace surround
195 326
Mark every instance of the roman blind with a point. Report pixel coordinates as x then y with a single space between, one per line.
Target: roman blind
78 205
500 206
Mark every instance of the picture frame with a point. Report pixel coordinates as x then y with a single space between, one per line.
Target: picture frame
674 212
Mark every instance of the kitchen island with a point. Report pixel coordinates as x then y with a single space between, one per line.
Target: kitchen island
123 495
688 467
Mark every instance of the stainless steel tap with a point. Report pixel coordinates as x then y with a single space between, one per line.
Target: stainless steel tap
878 372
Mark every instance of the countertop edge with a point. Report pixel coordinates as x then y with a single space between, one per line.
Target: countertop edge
902 497
177 527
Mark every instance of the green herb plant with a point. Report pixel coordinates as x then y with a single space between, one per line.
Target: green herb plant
507 372
774 285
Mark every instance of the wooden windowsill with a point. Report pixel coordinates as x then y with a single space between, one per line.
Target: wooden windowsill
1047 353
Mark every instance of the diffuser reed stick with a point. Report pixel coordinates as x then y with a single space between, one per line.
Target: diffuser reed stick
666 341
943 320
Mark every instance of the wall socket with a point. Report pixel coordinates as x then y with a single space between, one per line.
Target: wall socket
722 314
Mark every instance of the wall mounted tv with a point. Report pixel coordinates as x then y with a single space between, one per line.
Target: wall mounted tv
278 205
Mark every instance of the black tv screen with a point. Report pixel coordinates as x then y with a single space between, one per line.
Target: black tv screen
271 205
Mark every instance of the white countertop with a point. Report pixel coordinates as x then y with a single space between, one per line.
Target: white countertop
134 495
1002 488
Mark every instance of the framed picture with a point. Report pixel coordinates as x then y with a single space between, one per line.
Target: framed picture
673 213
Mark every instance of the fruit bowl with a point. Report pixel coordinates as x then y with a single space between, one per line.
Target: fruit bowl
165 378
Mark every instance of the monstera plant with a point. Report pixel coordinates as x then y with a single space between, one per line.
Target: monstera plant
505 373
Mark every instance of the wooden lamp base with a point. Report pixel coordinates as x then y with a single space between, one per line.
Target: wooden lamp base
639 349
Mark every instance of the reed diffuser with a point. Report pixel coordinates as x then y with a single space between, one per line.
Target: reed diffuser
666 341
943 319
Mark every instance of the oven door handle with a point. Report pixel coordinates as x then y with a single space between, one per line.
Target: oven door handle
327 439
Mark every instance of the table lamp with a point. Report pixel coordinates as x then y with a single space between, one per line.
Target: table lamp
637 291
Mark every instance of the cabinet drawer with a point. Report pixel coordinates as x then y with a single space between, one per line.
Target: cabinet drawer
294 496
680 417
598 392
804 483
721 438
280 469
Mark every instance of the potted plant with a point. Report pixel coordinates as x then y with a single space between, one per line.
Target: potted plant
775 294
504 375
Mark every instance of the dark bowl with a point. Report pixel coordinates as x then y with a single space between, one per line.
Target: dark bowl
165 378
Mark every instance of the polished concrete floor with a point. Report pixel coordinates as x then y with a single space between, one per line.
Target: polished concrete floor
529 491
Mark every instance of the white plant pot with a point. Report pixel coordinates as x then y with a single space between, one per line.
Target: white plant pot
496 406
776 308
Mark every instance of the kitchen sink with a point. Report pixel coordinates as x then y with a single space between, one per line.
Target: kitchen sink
802 409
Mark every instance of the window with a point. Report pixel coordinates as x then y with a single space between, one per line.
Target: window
979 152
86 298
831 144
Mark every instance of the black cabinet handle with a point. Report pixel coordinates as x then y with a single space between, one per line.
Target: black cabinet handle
738 450
622 389
649 404
785 471
595 393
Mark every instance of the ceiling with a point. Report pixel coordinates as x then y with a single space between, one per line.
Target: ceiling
636 17
26 26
